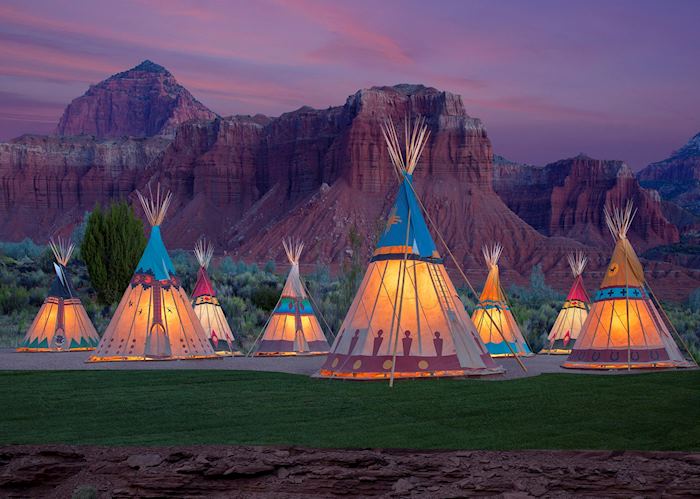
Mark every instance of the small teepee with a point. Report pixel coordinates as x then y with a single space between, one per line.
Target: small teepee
574 312
624 328
293 328
62 325
499 317
406 320
206 305
154 319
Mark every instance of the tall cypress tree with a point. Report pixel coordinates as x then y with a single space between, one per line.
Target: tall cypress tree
113 243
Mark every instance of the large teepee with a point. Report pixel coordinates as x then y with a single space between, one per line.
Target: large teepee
206 304
154 319
406 320
624 329
498 325
293 328
574 312
61 324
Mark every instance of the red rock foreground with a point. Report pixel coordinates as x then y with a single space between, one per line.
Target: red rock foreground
217 471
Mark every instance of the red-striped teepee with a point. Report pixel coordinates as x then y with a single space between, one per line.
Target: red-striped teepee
206 305
573 314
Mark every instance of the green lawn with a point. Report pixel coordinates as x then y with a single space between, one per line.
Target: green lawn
648 411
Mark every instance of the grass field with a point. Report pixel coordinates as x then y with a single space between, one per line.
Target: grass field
564 411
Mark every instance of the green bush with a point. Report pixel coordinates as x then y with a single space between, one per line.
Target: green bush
113 244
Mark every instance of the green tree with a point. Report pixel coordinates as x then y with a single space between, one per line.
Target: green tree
112 246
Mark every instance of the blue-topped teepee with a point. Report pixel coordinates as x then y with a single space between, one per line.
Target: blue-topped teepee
154 319
406 320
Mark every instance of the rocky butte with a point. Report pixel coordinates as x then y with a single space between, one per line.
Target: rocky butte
248 181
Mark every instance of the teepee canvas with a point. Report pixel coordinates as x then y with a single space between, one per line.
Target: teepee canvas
624 329
293 328
573 314
498 325
206 304
406 320
62 325
154 319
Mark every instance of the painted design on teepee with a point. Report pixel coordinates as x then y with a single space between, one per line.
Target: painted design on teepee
61 325
573 313
206 305
624 328
293 328
498 325
406 320
154 319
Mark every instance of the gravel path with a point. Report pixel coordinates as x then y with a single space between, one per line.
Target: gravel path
11 360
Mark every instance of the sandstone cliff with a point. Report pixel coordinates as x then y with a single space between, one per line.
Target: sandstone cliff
141 102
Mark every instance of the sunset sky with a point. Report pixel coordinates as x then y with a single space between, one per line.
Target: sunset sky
550 79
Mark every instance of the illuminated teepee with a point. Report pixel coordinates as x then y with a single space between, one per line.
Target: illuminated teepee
154 319
624 329
206 305
406 320
61 324
498 325
573 313
293 328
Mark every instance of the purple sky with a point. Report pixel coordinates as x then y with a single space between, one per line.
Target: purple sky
550 79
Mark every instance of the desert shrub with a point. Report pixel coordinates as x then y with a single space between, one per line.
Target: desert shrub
25 248
113 244
265 297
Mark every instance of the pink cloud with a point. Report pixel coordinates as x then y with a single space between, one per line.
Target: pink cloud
354 37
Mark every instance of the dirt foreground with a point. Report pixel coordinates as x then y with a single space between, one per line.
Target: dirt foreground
292 472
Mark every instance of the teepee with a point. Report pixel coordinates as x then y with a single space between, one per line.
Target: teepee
206 305
624 329
498 325
293 328
406 320
154 319
61 324
574 312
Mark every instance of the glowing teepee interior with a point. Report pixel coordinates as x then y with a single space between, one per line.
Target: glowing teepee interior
624 328
154 319
573 313
492 315
293 328
206 305
406 320
62 324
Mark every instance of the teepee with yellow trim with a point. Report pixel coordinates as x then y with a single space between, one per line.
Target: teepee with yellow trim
624 329
498 325
573 313
206 305
62 325
154 319
406 320
293 328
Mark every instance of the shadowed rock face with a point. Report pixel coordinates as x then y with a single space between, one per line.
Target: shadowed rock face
566 198
141 102
677 178
246 182
236 471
